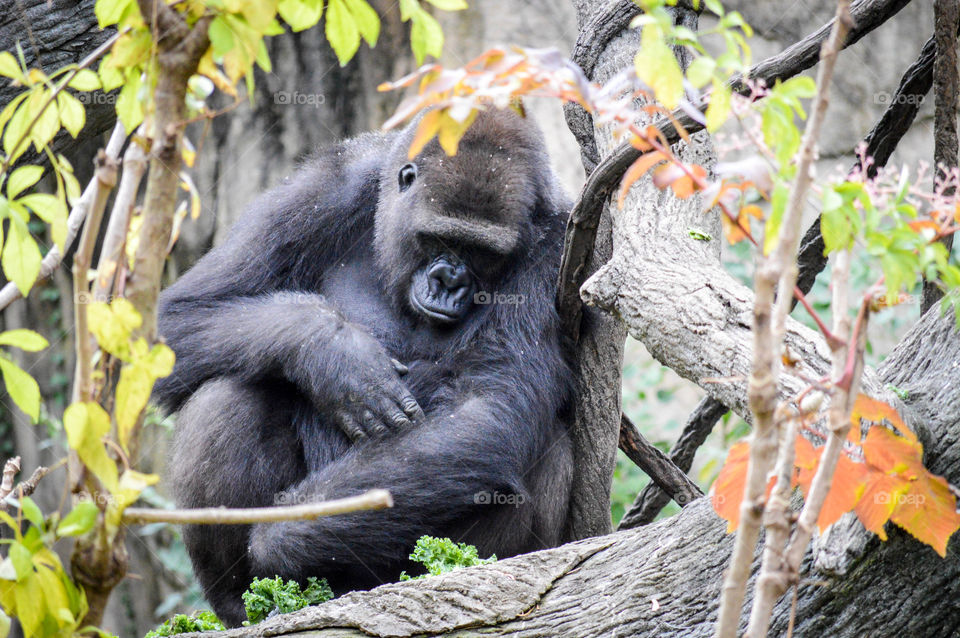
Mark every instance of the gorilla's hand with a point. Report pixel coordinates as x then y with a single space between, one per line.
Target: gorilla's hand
364 394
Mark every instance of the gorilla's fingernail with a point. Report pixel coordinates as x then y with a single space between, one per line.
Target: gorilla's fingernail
400 368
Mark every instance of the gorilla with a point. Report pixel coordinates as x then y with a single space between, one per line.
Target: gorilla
376 322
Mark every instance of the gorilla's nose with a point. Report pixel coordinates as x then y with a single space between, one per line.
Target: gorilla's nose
450 276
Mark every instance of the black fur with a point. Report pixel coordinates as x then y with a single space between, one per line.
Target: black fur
285 337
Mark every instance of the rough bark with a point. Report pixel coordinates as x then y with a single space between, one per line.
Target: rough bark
599 358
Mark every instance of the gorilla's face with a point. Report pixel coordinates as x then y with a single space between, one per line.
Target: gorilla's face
448 227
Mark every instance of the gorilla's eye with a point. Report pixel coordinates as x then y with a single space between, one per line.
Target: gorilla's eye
407 175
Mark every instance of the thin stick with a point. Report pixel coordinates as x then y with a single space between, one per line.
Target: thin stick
106 179
134 166
372 500
10 469
78 213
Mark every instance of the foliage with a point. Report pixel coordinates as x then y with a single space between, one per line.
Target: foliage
268 594
880 477
34 587
442 555
184 624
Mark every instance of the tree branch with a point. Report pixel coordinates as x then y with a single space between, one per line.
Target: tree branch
661 469
371 500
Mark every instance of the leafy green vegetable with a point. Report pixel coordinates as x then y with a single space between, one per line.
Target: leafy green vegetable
442 555
183 624
266 594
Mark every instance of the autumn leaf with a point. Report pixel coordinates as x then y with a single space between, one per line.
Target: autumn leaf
737 232
727 491
637 170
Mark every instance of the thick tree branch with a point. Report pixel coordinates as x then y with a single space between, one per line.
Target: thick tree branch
946 86
867 15
660 468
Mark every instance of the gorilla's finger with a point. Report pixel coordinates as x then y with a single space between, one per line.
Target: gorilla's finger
412 409
371 424
350 426
399 367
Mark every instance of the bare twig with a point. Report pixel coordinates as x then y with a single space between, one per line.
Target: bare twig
657 465
78 213
10 469
134 166
371 500
106 179
779 271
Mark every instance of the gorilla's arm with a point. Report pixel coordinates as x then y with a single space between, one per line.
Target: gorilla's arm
497 436
239 311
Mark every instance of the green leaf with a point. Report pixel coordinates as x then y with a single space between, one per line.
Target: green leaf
86 424
109 11
342 32
719 106
367 20
21 387
21 258
22 560
24 339
9 66
426 36
52 210
133 392
80 520
4 625
129 109
48 124
84 80
16 130
658 68
700 71
72 115
22 179
300 14
449 5
32 512
221 38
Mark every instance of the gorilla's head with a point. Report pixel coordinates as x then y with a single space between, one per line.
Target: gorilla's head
448 227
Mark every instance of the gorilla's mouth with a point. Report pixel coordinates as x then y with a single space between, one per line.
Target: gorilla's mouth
442 292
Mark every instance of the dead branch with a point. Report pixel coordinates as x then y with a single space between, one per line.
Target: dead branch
371 500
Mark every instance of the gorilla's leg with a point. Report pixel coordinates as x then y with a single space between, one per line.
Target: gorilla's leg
237 445
467 473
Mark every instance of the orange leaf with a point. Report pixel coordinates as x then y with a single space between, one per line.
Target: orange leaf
427 128
726 493
870 409
686 186
637 170
846 490
928 511
876 505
